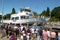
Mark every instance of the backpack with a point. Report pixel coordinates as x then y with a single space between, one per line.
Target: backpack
40 32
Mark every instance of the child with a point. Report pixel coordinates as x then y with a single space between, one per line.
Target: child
12 36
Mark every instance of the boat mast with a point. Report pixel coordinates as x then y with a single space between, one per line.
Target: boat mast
2 11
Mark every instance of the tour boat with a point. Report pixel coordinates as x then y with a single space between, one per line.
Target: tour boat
24 17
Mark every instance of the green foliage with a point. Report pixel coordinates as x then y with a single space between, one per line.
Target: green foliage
53 19
43 13
13 11
7 16
0 17
56 13
46 12
35 14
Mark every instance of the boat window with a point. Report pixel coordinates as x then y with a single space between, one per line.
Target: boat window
28 10
30 15
16 18
27 17
12 18
24 17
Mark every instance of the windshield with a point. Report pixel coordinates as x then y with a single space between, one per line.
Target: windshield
15 18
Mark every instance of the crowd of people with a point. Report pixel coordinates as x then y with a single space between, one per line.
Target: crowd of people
26 33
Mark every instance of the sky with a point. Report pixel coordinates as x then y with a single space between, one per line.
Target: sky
35 5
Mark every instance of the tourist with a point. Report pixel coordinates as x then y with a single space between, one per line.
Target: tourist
32 33
28 33
10 31
36 32
17 31
48 32
12 36
53 35
3 33
58 36
39 35
23 34
6 30
44 34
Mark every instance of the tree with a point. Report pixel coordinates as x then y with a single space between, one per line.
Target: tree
56 13
13 11
48 12
0 17
7 16
43 13
35 14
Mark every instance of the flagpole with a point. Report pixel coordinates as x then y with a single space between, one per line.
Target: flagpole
2 12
